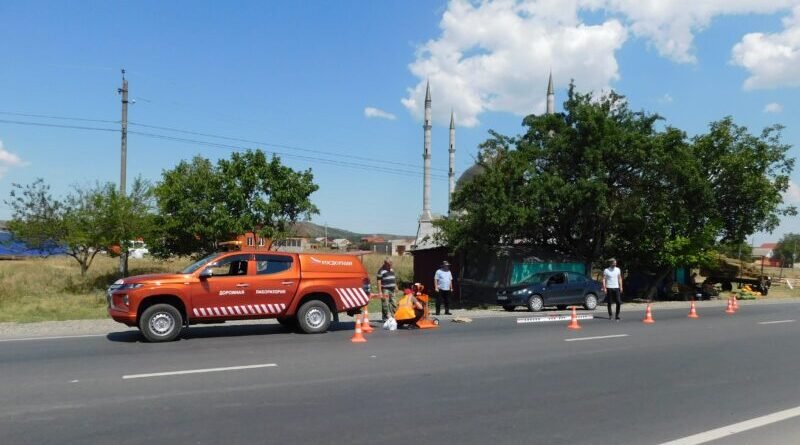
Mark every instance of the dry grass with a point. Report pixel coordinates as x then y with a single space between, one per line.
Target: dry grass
44 289
47 289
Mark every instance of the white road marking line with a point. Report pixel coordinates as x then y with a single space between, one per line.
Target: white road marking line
736 428
52 338
777 322
595 338
197 371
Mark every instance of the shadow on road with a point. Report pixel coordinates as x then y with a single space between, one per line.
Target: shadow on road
221 330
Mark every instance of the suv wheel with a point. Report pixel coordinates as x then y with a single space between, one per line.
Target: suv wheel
161 322
314 317
590 302
535 303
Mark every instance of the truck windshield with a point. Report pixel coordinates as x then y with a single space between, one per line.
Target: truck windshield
196 265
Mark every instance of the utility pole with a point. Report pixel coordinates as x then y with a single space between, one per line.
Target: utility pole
124 146
123 245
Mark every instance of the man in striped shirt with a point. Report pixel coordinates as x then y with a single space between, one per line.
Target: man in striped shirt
387 285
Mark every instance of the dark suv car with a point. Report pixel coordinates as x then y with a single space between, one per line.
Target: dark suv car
559 289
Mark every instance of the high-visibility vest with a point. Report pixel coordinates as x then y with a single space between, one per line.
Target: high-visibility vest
405 309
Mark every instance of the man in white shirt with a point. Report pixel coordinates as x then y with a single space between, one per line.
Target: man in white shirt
612 286
443 284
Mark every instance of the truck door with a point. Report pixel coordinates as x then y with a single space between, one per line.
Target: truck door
275 282
224 289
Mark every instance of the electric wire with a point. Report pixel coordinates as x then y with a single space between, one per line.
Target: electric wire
357 165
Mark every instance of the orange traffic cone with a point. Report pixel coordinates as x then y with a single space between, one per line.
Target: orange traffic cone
573 324
735 303
358 337
730 310
365 322
648 316
693 311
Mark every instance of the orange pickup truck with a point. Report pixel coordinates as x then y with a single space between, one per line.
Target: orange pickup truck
300 290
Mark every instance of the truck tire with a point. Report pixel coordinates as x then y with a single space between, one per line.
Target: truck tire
161 322
314 317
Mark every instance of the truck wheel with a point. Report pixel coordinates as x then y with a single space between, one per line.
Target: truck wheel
314 317
161 322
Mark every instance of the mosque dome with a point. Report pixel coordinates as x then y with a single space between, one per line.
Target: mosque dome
468 175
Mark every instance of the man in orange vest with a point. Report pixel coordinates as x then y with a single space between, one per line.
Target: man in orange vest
409 310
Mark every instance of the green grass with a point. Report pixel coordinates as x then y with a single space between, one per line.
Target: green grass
51 289
46 289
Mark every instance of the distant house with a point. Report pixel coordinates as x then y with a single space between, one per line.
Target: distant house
340 243
763 255
764 250
372 239
252 240
293 244
395 247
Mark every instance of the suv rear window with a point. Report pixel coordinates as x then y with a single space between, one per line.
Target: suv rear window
270 264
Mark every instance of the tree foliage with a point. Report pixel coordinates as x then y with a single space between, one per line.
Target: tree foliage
786 250
84 223
601 180
201 204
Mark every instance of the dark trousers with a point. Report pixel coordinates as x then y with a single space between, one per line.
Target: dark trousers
418 313
615 296
443 296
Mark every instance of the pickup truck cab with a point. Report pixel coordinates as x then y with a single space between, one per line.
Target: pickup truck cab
300 290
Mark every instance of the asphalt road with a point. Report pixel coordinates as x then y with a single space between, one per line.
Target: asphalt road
490 381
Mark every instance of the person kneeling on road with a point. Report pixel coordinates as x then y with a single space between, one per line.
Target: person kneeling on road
409 310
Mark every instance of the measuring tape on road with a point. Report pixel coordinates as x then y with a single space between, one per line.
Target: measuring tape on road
546 318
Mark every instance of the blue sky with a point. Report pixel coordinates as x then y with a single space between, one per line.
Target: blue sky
301 74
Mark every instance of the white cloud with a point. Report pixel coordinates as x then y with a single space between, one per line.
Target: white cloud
666 99
371 112
773 107
773 60
9 160
792 194
671 25
495 55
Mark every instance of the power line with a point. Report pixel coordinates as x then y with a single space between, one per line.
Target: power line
270 144
193 133
43 124
65 118
362 166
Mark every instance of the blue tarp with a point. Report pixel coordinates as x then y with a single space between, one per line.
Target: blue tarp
11 247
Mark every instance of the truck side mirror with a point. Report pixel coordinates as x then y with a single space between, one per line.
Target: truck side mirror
206 273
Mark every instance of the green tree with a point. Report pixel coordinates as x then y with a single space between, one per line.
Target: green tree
129 216
37 217
786 250
748 175
82 224
601 180
201 204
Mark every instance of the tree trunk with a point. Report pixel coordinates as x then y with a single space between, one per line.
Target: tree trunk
653 286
